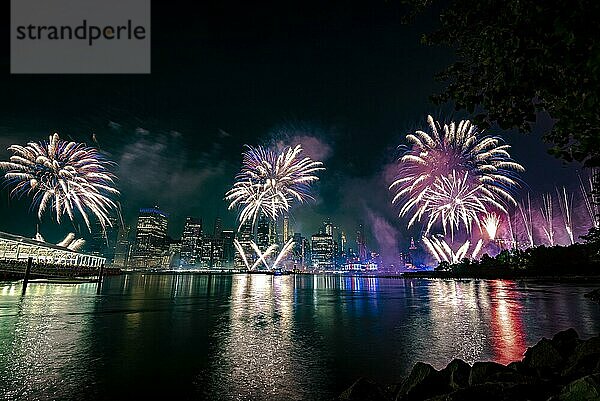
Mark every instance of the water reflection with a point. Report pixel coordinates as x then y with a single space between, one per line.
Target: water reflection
263 337
508 336
260 348
41 334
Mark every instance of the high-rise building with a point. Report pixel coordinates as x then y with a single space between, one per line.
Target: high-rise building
245 236
150 238
322 251
191 241
361 243
263 233
218 228
286 229
123 247
228 247
103 239
328 227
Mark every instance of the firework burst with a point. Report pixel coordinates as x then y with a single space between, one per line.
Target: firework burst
454 163
270 181
491 222
65 177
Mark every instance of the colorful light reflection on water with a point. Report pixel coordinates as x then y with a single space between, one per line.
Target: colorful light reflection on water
263 337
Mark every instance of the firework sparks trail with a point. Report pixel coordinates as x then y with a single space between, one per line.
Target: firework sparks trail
511 232
491 222
527 218
592 207
430 167
548 216
270 181
566 206
287 247
240 249
66 177
453 200
442 251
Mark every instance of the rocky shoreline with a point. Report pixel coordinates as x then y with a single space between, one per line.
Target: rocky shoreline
564 368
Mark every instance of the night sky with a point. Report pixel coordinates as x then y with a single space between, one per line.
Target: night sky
347 81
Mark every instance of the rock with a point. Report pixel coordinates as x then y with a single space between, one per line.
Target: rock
482 372
584 360
586 388
365 390
456 374
565 342
544 358
487 392
423 382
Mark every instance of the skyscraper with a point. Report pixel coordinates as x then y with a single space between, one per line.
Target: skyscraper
322 251
228 248
286 229
150 238
123 247
263 233
218 228
328 227
361 244
191 241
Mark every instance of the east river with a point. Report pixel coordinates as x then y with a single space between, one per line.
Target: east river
259 337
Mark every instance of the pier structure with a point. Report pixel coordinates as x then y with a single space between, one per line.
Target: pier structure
15 249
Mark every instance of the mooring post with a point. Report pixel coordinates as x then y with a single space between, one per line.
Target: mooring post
27 273
100 279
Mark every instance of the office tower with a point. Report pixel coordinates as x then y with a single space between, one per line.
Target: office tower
191 241
244 237
150 238
218 228
286 229
228 247
123 247
328 226
263 233
103 239
361 243
322 252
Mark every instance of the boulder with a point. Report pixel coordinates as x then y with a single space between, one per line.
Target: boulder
423 382
486 392
365 390
456 374
487 372
586 388
543 358
585 359
565 342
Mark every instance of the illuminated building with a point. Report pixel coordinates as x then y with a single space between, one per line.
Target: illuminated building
191 241
103 240
245 236
15 248
123 247
263 233
218 228
361 243
322 252
286 229
150 239
228 248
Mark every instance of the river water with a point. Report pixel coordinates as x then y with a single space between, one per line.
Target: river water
258 337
